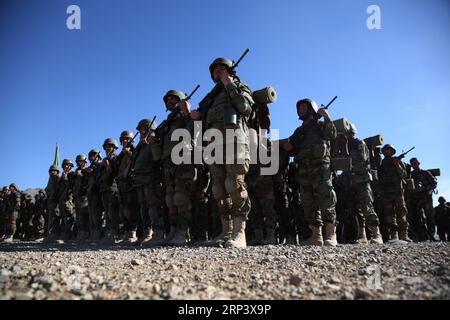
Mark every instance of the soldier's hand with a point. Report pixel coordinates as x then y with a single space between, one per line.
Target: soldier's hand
396 161
324 113
287 146
150 139
225 76
196 115
185 106
105 162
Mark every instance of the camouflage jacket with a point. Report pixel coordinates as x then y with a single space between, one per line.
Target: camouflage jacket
65 185
146 169
80 184
391 177
108 174
442 214
311 142
359 153
180 121
14 202
424 182
52 189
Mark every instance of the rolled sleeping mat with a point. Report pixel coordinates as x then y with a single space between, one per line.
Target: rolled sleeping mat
375 141
342 125
266 95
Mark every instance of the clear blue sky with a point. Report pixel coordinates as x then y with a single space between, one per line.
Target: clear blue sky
79 87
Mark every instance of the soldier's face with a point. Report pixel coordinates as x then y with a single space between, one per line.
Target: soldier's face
172 102
388 152
415 164
218 70
303 111
81 164
125 141
67 167
53 173
108 148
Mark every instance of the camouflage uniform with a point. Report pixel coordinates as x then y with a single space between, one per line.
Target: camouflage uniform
201 205
52 208
3 208
311 142
109 194
178 179
66 206
95 206
228 185
421 201
128 200
359 192
391 178
80 199
39 215
146 175
12 213
443 220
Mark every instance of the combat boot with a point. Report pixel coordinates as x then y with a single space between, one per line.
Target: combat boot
227 229
258 239
81 237
290 239
130 238
315 239
110 238
393 235
376 235
270 237
330 234
147 236
8 239
180 239
237 239
362 237
157 239
169 237
403 235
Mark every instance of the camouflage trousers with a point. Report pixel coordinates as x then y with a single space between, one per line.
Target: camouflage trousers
128 206
360 203
54 218
95 209
11 222
110 202
200 217
395 211
179 185
423 216
149 194
229 189
318 196
81 214
286 219
67 211
262 196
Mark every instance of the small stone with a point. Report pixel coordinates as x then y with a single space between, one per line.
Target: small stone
335 280
295 280
310 263
361 293
137 262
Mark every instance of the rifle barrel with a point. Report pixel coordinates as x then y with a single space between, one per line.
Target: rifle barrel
192 93
239 60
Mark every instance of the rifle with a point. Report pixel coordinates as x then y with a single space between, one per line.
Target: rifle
163 125
134 137
318 116
209 98
401 156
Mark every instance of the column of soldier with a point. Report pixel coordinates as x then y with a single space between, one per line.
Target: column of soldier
330 186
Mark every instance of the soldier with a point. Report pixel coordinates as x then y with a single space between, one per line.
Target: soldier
421 200
360 193
66 206
311 145
109 191
94 198
39 215
146 176
443 219
228 106
128 202
391 174
12 213
178 179
3 208
52 204
201 211
26 217
80 198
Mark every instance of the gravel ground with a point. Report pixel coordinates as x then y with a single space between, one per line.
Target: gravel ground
392 271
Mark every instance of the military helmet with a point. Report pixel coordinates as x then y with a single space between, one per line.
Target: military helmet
126 134
93 152
146 123
110 141
352 129
388 146
13 185
67 161
176 93
441 199
309 102
225 61
53 168
5 188
80 157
